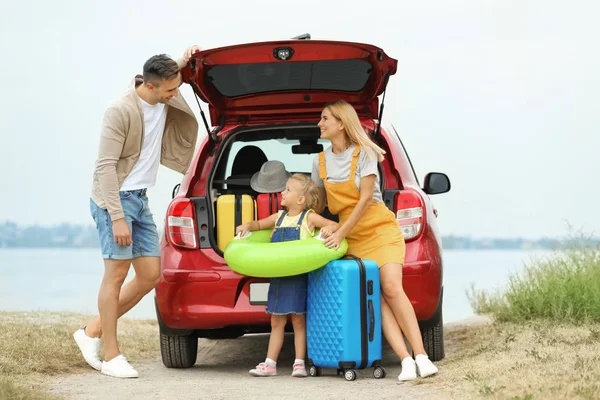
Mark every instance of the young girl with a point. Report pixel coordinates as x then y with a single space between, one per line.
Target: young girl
287 295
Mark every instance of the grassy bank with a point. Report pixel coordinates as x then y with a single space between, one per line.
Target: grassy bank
562 287
527 360
546 339
35 346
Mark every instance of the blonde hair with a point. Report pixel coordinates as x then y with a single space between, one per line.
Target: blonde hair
344 112
308 189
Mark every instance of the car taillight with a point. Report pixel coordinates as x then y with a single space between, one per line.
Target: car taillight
181 225
409 213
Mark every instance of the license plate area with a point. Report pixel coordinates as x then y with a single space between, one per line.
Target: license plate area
258 294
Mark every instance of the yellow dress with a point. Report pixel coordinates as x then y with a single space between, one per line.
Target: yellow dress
377 235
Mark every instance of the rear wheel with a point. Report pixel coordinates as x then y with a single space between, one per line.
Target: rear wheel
379 373
350 375
178 351
433 340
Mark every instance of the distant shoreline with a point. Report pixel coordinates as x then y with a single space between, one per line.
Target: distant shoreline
50 247
69 236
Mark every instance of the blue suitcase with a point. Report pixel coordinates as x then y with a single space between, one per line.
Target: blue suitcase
343 318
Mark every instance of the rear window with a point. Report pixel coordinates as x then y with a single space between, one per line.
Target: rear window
279 149
234 80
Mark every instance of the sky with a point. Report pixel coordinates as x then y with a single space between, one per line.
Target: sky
500 95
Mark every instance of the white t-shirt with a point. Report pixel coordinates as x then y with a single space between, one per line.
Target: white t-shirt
143 174
338 168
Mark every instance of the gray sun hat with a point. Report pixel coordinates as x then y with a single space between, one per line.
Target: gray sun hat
271 178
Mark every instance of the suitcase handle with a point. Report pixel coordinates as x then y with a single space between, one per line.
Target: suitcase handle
371 321
353 257
368 334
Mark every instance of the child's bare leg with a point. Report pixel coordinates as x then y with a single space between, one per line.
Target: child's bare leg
299 323
269 366
278 323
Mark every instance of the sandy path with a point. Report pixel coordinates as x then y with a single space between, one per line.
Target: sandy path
221 372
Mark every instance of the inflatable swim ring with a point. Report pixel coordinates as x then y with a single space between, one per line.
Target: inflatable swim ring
255 255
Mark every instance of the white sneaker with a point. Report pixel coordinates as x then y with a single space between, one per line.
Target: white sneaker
425 367
118 367
90 347
409 370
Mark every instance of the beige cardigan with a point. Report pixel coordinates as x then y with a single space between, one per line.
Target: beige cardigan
121 143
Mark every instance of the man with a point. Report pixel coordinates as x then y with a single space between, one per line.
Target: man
149 124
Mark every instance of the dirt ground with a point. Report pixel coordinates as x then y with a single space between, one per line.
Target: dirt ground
221 372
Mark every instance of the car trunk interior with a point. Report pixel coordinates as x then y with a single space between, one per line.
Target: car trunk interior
231 199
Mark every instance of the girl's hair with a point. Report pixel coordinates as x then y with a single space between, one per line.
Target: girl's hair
308 189
344 112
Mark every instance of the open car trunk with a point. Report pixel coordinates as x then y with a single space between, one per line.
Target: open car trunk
267 80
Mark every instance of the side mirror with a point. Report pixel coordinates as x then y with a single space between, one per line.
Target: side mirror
436 183
175 190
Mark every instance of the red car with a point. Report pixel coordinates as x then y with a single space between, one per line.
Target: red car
265 101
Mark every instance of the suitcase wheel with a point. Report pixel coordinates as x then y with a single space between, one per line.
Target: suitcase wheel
315 371
350 375
379 373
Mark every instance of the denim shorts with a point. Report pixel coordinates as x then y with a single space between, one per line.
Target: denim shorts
144 235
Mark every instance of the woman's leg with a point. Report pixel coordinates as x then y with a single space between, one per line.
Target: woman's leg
391 330
299 324
277 334
402 309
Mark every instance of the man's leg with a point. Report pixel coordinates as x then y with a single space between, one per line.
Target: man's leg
115 363
147 276
117 260
144 253
115 272
146 262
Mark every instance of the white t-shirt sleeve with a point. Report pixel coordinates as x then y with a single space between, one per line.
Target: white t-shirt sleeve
367 166
315 176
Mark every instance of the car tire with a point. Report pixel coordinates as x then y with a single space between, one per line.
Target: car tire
178 351
433 340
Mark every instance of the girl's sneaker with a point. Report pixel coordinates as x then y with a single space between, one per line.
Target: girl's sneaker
299 371
263 369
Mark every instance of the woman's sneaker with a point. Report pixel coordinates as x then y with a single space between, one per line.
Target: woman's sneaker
425 367
118 367
90 347
263 369
409 370
299 371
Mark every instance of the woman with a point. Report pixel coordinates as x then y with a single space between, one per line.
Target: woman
347 176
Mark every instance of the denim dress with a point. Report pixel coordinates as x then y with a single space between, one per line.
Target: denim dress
287 295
